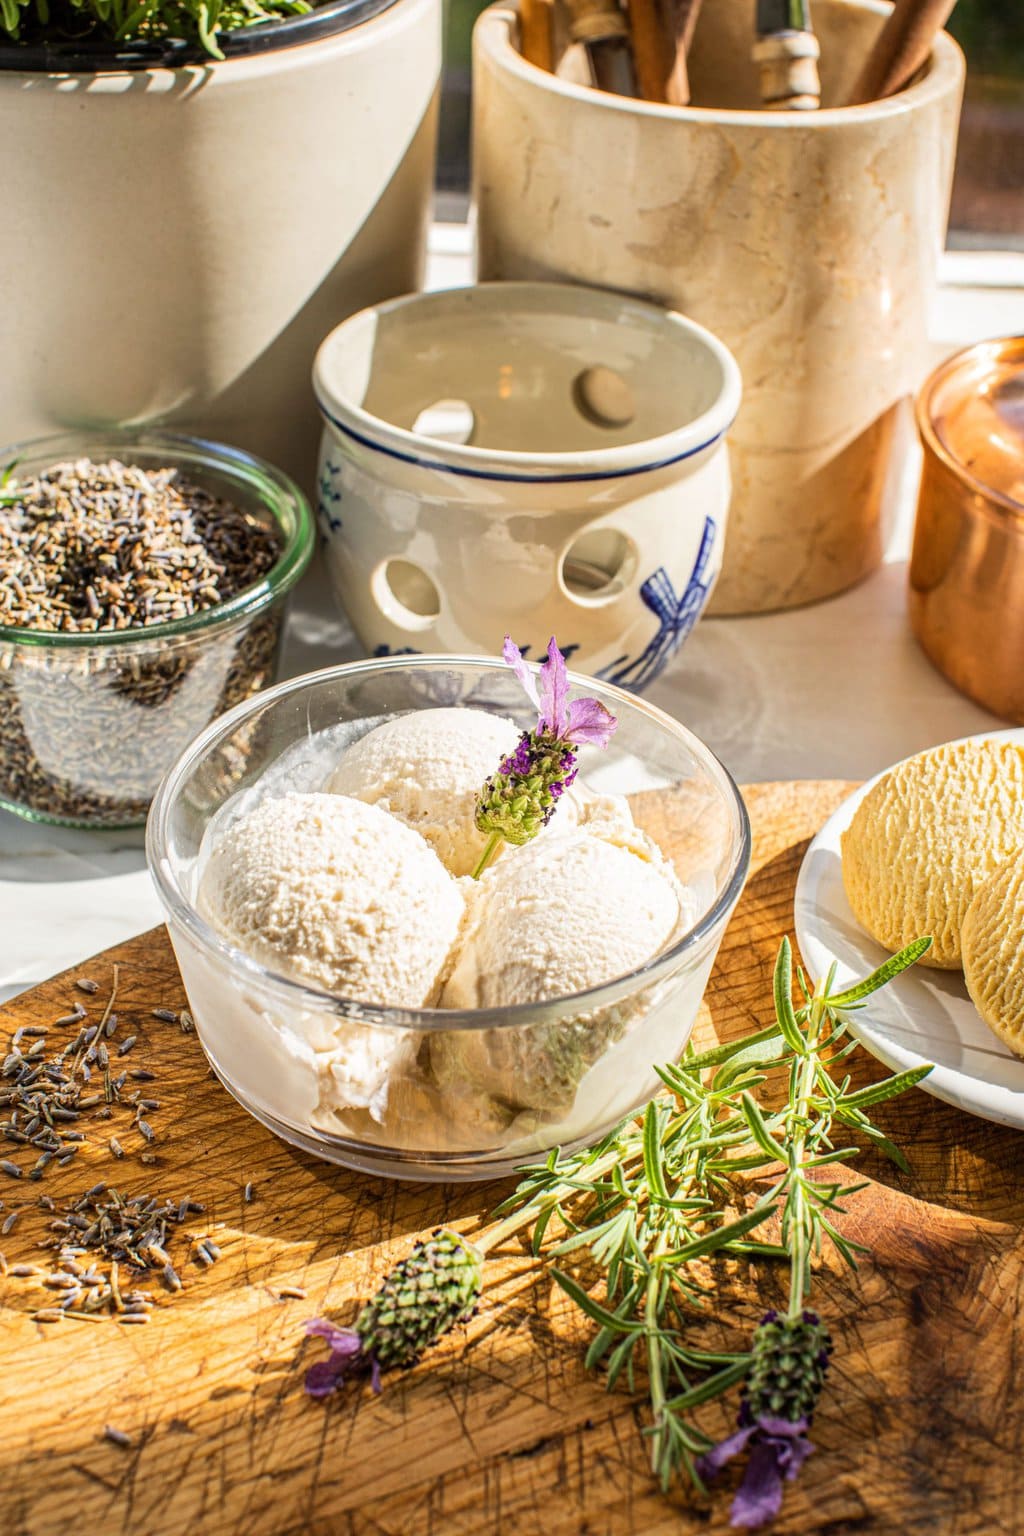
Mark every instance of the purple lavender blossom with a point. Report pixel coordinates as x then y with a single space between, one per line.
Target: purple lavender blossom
579 721
787 1372
346 1358
778 1449
522 796
434 1287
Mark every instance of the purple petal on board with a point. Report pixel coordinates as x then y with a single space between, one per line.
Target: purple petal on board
711 1463
778 1453
343 1341
759 1496
323 1378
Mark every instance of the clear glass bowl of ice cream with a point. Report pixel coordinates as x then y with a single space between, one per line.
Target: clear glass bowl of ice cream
361 994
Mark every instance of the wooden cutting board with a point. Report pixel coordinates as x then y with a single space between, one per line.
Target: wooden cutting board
501 1429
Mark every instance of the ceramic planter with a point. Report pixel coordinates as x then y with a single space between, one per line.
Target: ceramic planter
525 458
186 235
807 240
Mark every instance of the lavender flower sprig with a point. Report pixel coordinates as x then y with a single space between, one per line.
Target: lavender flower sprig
523 795
418 1301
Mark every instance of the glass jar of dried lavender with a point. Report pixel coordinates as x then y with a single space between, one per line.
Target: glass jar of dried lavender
143 583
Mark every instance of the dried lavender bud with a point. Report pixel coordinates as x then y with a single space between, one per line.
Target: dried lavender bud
111 547
91 547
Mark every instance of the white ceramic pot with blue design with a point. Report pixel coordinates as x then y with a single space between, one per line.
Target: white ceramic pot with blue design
527 459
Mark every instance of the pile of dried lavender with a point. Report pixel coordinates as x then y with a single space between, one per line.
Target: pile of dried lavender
47 1101
88 547
129 1231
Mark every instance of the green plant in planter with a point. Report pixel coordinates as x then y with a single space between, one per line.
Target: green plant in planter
127 21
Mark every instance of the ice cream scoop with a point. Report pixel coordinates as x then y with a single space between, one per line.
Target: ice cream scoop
337 894
427 769
562 915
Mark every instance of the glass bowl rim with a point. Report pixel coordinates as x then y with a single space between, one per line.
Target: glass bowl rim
430 1020
188 449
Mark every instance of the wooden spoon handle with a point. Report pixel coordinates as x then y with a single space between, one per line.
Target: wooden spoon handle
536 41
902 46
653 52
679 21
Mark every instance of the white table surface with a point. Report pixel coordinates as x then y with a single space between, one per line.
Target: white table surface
837 690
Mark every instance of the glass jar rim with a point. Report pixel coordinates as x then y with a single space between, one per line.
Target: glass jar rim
433 1020
272 485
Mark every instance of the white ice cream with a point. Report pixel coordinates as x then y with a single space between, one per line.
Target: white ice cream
564 915
427 769
335 893
338 894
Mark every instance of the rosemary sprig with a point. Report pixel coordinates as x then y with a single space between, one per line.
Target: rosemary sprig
661 1193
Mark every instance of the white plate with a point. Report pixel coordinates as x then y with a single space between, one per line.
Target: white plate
924 1015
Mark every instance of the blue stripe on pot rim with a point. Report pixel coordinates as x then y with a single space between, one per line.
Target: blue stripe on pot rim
507 477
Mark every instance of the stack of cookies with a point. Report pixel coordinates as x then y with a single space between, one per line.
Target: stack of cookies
937 847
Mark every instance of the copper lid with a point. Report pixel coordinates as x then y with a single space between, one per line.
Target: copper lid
971 411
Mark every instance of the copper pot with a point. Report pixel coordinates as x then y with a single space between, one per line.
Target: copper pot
967 567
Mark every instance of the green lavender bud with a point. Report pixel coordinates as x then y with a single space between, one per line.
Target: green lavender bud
790 1358
424 1296
518 800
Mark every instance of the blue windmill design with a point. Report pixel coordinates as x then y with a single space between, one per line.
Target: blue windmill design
676 617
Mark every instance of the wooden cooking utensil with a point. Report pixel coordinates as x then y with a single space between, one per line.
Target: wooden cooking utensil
901 48
536 33
786 54
653 51
678 22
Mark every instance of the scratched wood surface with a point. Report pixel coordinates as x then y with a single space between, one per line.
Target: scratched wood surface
501 1429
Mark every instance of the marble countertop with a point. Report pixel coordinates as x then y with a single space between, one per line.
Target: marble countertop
837 690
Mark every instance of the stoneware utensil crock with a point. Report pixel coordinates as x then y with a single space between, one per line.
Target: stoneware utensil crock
807 240
527 458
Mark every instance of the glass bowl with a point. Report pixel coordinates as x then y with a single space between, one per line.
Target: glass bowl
90 723
269 1038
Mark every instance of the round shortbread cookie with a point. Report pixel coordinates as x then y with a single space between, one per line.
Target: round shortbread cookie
927 836
993 944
